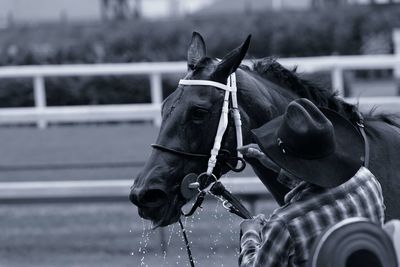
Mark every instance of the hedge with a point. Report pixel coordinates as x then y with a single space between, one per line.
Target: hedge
340 31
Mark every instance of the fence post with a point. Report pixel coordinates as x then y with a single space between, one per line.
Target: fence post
156 94
337 81
39 91
396 51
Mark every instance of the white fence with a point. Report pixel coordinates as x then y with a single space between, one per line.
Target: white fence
41 113
103 190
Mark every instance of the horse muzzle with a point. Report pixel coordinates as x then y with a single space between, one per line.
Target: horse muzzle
154 205
154 197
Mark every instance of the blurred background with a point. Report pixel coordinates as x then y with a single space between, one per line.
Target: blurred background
81 83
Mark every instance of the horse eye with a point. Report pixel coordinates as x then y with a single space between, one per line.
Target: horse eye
199 113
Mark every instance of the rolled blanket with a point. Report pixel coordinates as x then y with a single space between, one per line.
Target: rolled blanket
393 229
353 242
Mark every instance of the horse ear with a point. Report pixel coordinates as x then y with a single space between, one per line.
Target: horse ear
232 60
196 51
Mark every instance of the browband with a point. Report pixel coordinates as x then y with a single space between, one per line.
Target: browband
210 83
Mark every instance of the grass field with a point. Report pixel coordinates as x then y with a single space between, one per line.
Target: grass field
98 234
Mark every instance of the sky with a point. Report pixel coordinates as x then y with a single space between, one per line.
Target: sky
157 8
34 10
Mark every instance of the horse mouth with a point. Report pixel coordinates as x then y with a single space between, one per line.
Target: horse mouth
164 216
173 218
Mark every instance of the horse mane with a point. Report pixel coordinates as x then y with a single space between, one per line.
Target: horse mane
290 80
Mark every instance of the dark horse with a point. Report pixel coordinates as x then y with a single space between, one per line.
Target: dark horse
190 118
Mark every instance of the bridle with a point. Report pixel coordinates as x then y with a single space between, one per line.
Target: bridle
230 93
195 183
224 156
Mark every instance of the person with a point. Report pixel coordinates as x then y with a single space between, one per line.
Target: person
320 155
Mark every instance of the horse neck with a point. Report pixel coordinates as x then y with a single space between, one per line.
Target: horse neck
260 102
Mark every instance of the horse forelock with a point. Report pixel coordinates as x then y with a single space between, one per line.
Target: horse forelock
204 62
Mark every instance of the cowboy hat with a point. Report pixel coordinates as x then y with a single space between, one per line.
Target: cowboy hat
317 145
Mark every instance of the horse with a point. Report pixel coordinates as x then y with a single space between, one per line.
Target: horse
190 117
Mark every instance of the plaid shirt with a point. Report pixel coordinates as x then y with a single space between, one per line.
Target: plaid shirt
287 236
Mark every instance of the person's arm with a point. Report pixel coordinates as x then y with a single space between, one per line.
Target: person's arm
268 247
250 239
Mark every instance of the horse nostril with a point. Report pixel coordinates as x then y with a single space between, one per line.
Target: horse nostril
153 198
133 197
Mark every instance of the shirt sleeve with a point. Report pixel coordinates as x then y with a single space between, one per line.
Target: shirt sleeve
270 248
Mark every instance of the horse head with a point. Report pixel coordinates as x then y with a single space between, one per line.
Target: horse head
190 118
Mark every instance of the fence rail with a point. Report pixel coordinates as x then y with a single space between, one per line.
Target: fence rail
42 114
104 190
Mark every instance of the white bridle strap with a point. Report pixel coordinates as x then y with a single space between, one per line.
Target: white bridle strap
236 116
205 83
222 125
229 88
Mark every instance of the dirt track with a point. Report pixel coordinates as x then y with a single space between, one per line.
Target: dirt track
97 234
106 234
85 152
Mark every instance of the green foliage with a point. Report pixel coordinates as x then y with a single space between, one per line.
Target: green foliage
280 34
97 90
16 93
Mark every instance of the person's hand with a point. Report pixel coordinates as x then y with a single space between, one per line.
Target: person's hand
254 151
256 224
